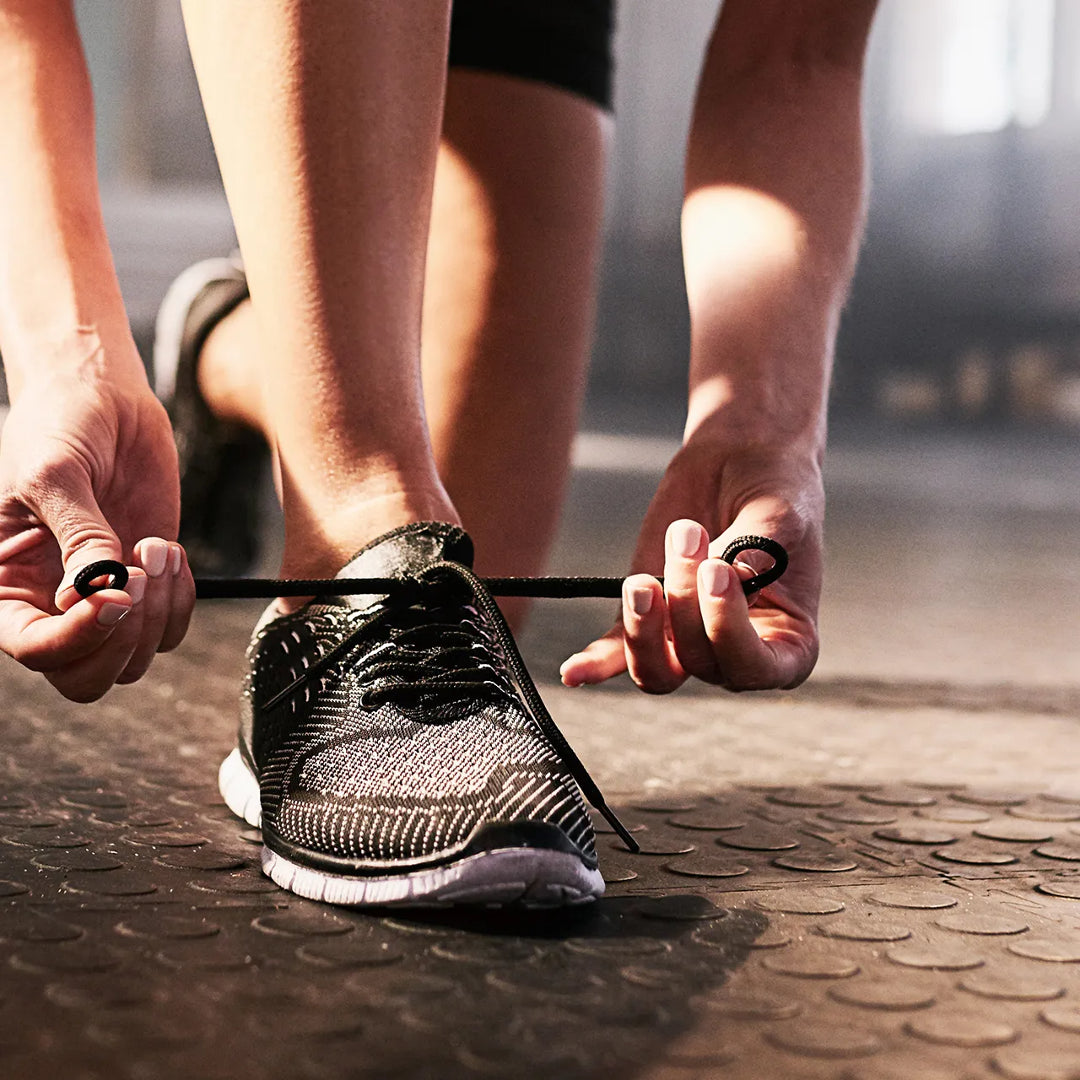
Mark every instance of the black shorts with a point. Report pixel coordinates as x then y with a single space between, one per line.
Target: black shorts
566 43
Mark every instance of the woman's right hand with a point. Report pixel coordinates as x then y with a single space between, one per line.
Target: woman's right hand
87 472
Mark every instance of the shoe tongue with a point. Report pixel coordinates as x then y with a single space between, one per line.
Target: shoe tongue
406 551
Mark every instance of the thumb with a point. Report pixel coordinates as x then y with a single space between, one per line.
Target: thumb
72 515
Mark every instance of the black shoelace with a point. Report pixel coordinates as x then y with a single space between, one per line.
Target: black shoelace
445 676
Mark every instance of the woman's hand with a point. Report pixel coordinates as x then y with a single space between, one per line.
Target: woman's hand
87 472
698 622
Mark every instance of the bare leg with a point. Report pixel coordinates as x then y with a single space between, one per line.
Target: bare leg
508 305
507 312
327 131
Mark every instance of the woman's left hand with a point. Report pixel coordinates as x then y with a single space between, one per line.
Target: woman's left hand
698 622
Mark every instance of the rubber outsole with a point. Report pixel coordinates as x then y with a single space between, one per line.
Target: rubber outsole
520 876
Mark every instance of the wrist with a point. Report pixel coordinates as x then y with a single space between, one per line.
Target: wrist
718 428
95 352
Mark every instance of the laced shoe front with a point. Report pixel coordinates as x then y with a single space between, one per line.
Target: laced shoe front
387 755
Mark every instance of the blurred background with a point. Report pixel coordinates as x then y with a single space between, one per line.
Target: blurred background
966 310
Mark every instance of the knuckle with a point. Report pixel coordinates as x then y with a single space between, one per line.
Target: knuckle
40 487
653 682
748 680
81 691
31 659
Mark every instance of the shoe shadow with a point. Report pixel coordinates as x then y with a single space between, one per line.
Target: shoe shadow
595 991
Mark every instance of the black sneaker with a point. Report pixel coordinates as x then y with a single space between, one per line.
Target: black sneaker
222 465
387 757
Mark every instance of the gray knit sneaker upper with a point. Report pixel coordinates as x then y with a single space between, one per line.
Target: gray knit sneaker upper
411 743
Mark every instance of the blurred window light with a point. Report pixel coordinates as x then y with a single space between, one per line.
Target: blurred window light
969 66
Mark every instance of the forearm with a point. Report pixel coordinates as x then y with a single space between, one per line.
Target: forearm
772 218
60 304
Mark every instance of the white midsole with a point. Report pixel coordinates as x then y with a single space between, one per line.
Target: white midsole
532 876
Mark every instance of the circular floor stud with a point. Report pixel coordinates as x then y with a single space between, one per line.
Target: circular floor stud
736 1006
885 994
618 948
710 818
965 922
1062 1017
755 837
349 953
201 956
1063 950
933 957
114 883
1015 831
542 980
915 896
898 797
202 859
856 815
723 935
964 1029
61 841
173 838
654 846
823 1040
155 925
976 856
1024 1064
706 866
772 938
960 815
917 834
94 994
1060 851
75 958
31 926
999 987
1045 811
900 1066
807 965
1067 888
793 903
990 797
805 798
826 862
77 859
317 923
864 928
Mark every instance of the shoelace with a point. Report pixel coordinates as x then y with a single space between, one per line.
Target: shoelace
110 574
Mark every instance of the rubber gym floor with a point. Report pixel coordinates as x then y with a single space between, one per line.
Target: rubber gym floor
874 877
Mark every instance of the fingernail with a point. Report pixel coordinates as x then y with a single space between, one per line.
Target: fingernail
639 599
684 538
155 554
715 577
174 558
136 588
111 614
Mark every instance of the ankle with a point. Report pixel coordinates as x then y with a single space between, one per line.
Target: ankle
320 545
224 371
